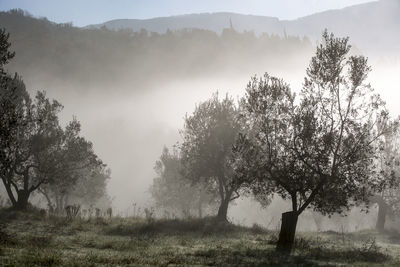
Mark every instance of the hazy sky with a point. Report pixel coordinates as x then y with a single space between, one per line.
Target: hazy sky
84 12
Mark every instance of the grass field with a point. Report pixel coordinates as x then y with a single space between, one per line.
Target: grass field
32 239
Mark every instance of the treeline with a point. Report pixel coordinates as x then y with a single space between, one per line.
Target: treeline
37 154
49 51
331 148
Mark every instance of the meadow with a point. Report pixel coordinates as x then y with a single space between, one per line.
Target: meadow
36 239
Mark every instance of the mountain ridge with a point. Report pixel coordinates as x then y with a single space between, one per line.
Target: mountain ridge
381 18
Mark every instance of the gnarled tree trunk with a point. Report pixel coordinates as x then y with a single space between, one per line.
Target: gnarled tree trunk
225 194
223 210
22 201
288 231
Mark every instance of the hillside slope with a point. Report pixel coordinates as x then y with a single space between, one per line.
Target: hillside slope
373 27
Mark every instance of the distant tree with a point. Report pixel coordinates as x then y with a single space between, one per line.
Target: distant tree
207 156
73 160
387 195
318 153
5 54
175 193
91 188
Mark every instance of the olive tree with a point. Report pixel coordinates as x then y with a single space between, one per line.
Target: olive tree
208 138
28 130
29 136
34 149
318 151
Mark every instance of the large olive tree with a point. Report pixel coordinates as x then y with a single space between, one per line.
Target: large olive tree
317 151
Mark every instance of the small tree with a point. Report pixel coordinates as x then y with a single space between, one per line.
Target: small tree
90 188
320 152
173 192
208 138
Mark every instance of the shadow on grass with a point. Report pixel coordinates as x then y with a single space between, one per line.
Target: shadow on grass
249 257
204 226
8 215
35 257
347 256
262 257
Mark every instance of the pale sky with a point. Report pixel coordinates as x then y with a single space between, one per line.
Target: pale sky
84 12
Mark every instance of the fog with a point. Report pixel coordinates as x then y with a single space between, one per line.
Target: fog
129 129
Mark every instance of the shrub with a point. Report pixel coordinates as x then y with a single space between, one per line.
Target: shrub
258 229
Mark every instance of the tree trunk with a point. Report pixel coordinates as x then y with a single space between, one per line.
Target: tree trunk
223 210
22 202
382 211
288 231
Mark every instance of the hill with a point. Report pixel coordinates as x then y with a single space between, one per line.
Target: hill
216 22
47 51
381 18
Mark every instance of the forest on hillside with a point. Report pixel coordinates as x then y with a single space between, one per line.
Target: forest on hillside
100 56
